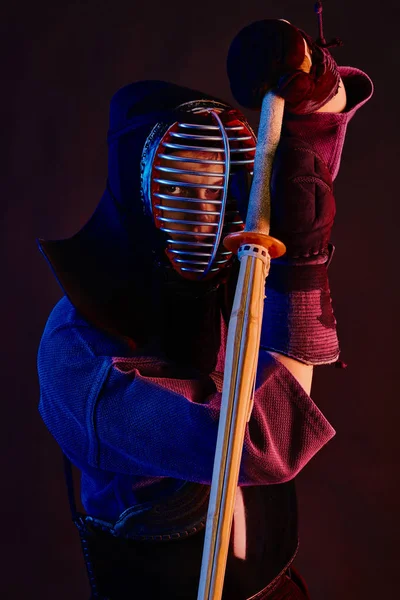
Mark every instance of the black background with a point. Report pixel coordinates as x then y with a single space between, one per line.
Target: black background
61 62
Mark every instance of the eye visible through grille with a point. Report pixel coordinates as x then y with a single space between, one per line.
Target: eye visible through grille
191 193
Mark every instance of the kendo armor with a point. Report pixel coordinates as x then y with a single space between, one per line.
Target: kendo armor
109 271
215 142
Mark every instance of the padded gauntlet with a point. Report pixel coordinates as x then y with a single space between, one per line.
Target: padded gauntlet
298 317
270 54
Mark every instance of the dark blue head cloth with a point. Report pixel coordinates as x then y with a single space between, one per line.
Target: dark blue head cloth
134 111
109 268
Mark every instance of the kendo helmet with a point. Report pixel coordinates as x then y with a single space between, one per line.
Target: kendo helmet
190 184
195 170
145 236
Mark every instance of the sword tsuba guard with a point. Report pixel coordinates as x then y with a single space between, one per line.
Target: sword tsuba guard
233 241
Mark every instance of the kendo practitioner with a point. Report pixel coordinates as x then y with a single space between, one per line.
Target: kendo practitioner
131 360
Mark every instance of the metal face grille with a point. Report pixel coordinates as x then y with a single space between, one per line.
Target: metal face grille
189 187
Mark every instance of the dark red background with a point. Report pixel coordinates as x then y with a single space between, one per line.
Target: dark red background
62 62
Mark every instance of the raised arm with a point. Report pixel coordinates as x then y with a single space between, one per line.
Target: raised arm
131 416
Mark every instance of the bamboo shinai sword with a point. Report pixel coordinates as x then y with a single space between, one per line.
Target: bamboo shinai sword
255 248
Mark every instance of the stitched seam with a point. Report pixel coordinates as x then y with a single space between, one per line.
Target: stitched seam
311 179
94 449
300 149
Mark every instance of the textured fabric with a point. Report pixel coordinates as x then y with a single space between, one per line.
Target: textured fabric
303 207
298 316
299 320
138 424
106 268
324 131
128 422
115 270
138 427
257 556
306 93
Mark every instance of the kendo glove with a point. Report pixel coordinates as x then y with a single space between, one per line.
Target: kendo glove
298 316
271 54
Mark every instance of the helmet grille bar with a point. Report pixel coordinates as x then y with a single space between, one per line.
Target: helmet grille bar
209 127
196 233
187 172
192 160
186 199
202 148
195 253
192 148
185 222
190 136
174 183
182 243
192 262
225 189
189 198
186 210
